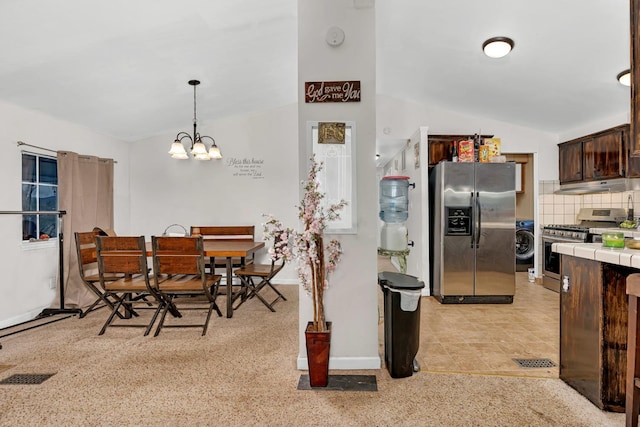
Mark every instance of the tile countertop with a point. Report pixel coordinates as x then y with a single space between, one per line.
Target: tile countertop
627 232
595 251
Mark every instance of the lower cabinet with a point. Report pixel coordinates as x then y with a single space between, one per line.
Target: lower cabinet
593 330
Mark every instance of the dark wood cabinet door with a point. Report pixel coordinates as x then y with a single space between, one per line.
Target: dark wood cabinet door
593 330
635 78
633 161
439 150
580 312
603 156
614 335
570 161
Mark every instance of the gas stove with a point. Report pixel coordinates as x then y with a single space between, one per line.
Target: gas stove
568 232
587 218
573 233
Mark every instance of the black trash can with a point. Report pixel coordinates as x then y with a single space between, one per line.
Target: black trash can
401 321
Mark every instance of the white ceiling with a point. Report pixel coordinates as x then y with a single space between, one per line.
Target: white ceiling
120 67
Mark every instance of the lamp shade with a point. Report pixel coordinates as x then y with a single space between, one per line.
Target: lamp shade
198 148
177 151
214 152
202 156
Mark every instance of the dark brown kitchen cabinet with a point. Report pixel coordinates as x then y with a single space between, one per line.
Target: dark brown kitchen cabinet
598 156
439 150
593 330
603 156
570 156
635 78
633 162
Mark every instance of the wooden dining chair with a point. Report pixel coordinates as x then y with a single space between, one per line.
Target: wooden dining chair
126 257
88 269
181 279
257 277
104 232
632 398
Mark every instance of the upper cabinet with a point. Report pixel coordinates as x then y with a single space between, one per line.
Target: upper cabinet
570 159
601 155
440 147
635 77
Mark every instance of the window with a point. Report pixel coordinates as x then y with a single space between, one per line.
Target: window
338 178
39 193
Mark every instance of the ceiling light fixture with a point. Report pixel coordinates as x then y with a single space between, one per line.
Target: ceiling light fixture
198 148
497 47
624 78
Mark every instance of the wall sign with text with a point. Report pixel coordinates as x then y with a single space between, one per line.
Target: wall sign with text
246 167
346 91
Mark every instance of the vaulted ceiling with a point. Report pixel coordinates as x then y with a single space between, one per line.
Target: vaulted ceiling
120 67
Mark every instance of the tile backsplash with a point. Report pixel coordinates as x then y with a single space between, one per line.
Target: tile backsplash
562 208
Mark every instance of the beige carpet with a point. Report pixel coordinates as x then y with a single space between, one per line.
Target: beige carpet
243 373
5 367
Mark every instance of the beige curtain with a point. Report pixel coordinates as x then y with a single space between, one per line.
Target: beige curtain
85 191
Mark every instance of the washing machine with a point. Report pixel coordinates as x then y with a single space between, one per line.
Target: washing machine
525 244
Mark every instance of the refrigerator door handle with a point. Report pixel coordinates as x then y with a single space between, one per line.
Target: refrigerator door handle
478 220
473 222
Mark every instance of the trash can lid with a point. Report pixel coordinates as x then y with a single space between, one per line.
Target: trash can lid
396 280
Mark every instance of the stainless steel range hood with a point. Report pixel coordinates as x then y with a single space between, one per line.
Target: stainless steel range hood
606 186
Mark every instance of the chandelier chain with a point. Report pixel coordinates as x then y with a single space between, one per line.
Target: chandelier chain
194 108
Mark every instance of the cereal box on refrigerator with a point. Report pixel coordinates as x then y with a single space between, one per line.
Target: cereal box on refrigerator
493 147
465 151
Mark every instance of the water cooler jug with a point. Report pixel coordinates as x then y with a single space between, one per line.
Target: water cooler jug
394 211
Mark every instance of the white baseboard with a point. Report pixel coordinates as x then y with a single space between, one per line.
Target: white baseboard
25 317
286 281
345 363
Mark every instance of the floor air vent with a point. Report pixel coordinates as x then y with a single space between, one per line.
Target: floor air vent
535 363
26 379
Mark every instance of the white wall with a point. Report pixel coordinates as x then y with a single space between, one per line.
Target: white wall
257 175
595 126
27 269
402 118
352 297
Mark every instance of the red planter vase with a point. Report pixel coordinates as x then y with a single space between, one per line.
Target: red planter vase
318 346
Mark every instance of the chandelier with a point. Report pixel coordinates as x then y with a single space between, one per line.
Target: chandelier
198 147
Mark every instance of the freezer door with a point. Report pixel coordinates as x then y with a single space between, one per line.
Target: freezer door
495 232
457 245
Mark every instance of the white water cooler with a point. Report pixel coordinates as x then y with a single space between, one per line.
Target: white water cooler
394 211
393 237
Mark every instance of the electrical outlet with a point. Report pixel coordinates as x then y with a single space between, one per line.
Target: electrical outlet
52 283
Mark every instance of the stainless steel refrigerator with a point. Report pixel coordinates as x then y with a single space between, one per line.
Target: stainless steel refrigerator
472 232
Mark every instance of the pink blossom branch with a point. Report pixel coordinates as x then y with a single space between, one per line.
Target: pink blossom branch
307 247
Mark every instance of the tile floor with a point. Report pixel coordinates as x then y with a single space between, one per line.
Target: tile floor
485 338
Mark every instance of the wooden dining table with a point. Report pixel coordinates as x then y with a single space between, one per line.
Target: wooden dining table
228 249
